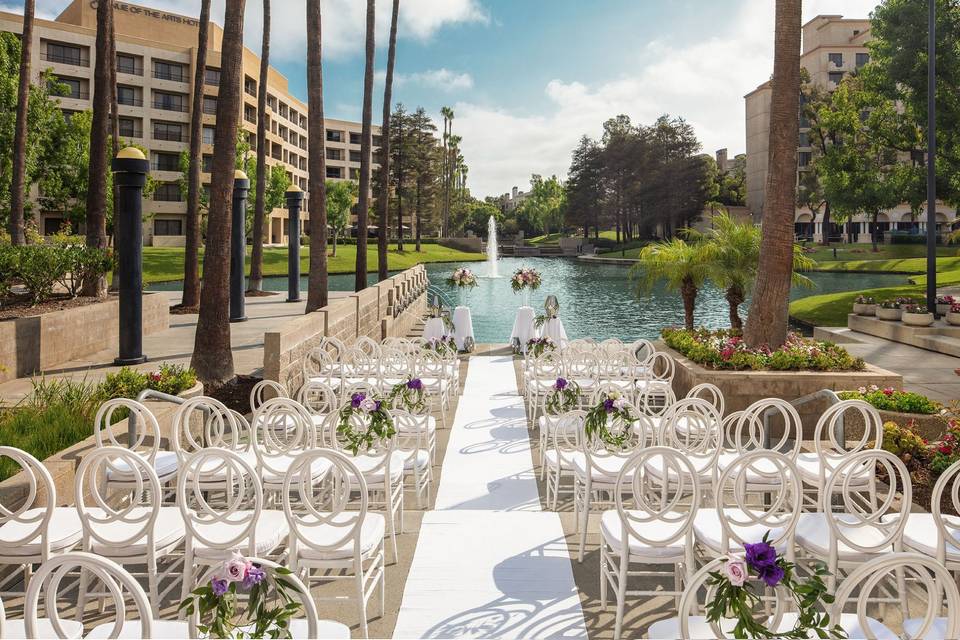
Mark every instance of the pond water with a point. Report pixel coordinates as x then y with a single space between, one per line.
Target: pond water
596 300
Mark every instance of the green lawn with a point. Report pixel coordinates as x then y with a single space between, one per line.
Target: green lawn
166 263
858 253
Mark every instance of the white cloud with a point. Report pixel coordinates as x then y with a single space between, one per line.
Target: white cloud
701 77
441 79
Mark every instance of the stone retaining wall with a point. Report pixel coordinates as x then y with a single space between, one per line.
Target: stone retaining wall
388 308
37 343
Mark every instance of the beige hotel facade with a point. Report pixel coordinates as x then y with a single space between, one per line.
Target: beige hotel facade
156 58
833 46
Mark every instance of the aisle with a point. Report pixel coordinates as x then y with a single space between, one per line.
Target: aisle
489 563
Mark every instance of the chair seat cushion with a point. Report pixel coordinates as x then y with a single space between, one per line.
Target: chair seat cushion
813 534
419 459
371 535
131 629
708 531
564 459
604 468
920 535
761 471
17 629
936 631
168 531
810 464
612 530
64 532
165 464
373 469
274 469
700 629
271 530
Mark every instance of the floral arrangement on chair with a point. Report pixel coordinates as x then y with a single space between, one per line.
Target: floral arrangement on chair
563 396
735 597
525 279
613 407
409 394
538 346
443 346
463 278
379 425
216 602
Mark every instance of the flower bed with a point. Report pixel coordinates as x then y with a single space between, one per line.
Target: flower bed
725 349
892 400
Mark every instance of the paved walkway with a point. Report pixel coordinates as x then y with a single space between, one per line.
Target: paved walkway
489 563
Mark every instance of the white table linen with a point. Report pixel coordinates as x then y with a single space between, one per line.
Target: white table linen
463 326
523 328
434 329
553 329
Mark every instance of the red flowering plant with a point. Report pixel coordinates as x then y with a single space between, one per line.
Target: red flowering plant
947 451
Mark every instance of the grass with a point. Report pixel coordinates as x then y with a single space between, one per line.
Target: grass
162 264
857 253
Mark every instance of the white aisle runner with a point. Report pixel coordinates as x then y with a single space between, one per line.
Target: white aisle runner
489 563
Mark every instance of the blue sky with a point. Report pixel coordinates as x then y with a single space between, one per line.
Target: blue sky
527 78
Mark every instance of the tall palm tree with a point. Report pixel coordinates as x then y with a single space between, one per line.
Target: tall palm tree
383 201
681 266
317 288
99 136
19 168
366 134
256 258
447 114
767 323
212 356
191 254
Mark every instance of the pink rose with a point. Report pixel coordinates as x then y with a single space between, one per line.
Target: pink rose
234 568
736 570
889 391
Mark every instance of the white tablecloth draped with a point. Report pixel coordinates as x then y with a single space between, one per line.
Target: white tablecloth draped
554 330
523 328
434 329
463 326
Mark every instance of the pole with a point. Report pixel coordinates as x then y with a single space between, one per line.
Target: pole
294 202
238 246
932 160
130 169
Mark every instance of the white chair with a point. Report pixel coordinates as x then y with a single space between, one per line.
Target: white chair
546 368
360 366
283 429
584 369
413 443
435 375
202 422
694 428
237 521
320 366
751 433
265 390
937 534
31 533
652 524
656 372
319 399
561 447
131 528
329 532
146 441
709 392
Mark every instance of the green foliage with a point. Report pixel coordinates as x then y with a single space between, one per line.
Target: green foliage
725 349
341 196
39 267
904 442
892 400
544 207
128 383
42 265
84 264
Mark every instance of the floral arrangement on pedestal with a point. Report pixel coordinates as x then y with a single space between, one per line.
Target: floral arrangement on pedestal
613 408
525 279
265 617
407 395
735 596
444 346
563 396
536 347
379 426
462 278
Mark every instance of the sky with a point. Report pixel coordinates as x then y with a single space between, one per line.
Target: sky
527 78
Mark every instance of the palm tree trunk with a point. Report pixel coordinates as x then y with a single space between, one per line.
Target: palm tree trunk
212 355
191 254
256 257
735 298
317 288
99 134
825 225
768 318
383 202
688 291
400 141
19 159
366 133
419 218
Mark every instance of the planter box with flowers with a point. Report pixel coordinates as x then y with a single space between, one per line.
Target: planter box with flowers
892 309
953 315
864 306
945 304
917 315
901 407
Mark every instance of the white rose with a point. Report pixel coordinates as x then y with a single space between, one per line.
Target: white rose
368 405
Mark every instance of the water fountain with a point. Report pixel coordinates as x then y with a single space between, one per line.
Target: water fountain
492 249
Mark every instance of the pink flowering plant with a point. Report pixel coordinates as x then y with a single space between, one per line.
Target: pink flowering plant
265 616
525 279
726 349
407 395
613 410
564 395
737 588
378 424
890 399
462 278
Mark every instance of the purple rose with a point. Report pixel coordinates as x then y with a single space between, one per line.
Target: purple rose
561 384
416 384
772 575
219 586
377 405
255 575
356 400
608 405
760 556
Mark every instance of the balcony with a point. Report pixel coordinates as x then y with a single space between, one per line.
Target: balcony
130 70
129 102
170 136
174 76
169 106
75 60
76 95
131 133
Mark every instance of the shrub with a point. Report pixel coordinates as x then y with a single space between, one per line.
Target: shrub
39 267
172 379
904 442
8 267
84 264
893 400
128 383
725 349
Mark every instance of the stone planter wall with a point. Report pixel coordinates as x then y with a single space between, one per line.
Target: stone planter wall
388 308
63 465
37 343
931 427
743 388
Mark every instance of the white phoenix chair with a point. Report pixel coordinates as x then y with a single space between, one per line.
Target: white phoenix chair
331 534
641 349
709 392
146 442
218 427
584 369
413 443
694 428
937 534
319 399
320 366
750 433
655 372
656 529
435 376
618 370
283 429
421 422
214 529
31 533
545 370
560 448
862 530
131 528
265 390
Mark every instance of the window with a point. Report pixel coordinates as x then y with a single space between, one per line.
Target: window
250 114
354 138
168 227
170 101
836 59
207 163
334 172
334 154
836 77
804 122
208 135
74 88
210 105
166 161
250 86
354 156
167 192
805 158
862 59
334 136
163 70
52 226
212 76
130 127
170 131
129 96
804 139
129 63
377 140
66 54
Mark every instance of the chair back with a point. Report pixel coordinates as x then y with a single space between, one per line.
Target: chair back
709 392
282 428
202 422
948 526
319 398
320 366
829 436
147 437
31 522
265 390
750 432
659 367
693 427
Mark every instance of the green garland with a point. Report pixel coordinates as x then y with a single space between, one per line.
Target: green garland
564 396
410 395
611 408
380 427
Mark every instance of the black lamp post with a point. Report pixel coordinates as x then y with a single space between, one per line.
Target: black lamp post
238 246
932 159
294 202
130 169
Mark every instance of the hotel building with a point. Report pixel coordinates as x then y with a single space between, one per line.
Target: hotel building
833 47
156 58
